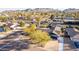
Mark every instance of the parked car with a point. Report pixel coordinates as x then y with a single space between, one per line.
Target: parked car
53 35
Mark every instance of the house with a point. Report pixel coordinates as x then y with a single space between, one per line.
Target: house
57 29
70 20
74 35
14 26
58 20
44 29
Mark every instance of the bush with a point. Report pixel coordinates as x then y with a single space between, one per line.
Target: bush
44 25
39 37
62 29
30 29
21 23
6 28
77 27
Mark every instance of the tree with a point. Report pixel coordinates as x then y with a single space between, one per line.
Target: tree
21 23
52 17
28 16
14 20
62 16
76 15
3 18
38 19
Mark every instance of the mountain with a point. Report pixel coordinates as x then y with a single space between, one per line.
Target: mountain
71 10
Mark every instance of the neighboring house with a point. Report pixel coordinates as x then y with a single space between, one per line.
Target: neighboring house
2 23
58 20
70 19
27 24
57 29
14 26
9 23
44 29
21 17
74 36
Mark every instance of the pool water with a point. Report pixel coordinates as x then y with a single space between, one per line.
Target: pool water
76 44
1 29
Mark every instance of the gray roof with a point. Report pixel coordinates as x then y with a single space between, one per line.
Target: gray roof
73 34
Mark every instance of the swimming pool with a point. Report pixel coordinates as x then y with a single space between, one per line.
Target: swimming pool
1 29
76 44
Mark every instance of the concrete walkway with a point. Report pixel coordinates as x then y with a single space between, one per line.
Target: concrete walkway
61 43
52 46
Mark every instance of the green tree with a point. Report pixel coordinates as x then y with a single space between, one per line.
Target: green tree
21 23
3 18
38 19
52 17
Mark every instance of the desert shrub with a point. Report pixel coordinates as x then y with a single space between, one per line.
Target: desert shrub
44 25
21 23
30 29
39 37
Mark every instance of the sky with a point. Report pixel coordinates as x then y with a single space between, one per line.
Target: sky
20 4
3 9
